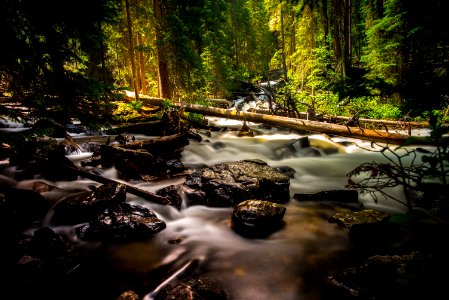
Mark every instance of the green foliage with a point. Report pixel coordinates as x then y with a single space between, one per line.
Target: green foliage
49 57
126 111
376 107
196 118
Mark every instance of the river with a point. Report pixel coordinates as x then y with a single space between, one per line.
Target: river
286 265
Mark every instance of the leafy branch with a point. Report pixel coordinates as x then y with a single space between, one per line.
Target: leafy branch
412 169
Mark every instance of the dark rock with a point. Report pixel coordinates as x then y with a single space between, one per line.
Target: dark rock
173 193
287 171
388 277
368 228
193 289
122 223
227 184
367 216
82 207
257 218
128 295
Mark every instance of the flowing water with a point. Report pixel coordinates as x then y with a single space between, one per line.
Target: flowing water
198 240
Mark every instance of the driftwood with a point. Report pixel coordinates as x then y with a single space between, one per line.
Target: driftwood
129 188
299 124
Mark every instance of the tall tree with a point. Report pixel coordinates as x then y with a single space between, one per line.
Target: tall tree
162 60
131 50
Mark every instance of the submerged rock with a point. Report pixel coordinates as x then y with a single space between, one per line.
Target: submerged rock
227 184
257 218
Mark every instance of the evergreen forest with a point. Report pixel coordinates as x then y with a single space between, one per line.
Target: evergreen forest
65 59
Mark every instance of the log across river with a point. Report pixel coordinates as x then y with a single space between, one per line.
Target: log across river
382 136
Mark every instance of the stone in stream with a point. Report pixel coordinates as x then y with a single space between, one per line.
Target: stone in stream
193 289
122 223
82 207
227 184
367 226
257 218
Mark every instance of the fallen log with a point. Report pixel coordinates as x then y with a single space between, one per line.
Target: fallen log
327 118
300 124
129 188
313 126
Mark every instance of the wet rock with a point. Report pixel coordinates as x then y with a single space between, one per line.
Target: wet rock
122 223
146 160
257 218
128 295
82 207
387 277
367 216
227 184
344 196
193 289
368 227
286 170
173 193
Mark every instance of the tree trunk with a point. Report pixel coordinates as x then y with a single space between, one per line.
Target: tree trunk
325 22
284 63
347 36
131 50
143 82
337 38
162 61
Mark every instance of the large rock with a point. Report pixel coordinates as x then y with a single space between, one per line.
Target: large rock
82 207
227 184
367 226
257 218
122 223
387 277
193 289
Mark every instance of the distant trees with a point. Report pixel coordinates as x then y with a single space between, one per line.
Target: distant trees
53 56
335 55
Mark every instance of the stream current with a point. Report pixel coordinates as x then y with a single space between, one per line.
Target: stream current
285 266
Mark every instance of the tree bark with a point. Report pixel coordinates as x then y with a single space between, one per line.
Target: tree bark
143 82
162 61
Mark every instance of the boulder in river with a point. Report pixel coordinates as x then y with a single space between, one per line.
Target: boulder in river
227 184
257 218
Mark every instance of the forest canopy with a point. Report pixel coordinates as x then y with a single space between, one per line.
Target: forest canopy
66 59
